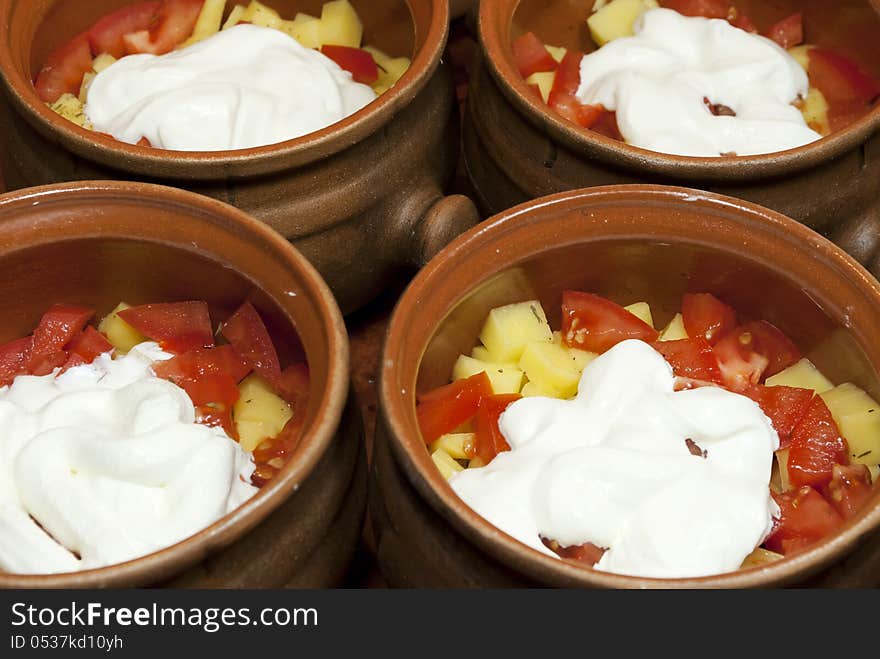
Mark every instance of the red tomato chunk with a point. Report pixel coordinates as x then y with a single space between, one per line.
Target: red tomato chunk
590 322
806 518
531 56
356 61
816 446
178 326
442 410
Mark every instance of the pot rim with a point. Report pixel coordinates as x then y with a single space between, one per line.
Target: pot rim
317 438
211 165
398 412
496 50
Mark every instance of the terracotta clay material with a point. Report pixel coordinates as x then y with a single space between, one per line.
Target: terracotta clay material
97 243
628 243
517 149
360 198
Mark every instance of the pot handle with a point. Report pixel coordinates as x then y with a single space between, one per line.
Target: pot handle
861 238
443 221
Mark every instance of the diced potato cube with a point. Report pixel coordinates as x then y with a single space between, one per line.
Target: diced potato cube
71 108
483 354
259 14
804 374
675 330
340 24
476 462
208 22
544 81
550 368
505 378
875 472
304 28
616 19
446 464
858 418
533 389
510 328
556 52
782 462
235 16
260 413
580 359
391 69
84 87
120 334
761 557
642 311
459 445
802 55
102 61
815 111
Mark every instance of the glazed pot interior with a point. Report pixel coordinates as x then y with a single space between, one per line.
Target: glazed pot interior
630 244
98 244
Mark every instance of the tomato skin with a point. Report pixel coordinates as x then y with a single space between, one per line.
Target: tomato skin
489 440
89 345
442 410
211 388
203 362
178 326
531 56
789 32
816 446
58 326
690 358
14 357
247 333
106 35
590 322
850 489
587 554
64 69
704 8
752 352
849 90
784 406
707 317
174 23
769 341
356 61
294 383
805 518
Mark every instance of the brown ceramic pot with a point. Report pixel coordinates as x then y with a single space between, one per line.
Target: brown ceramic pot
97 243
360 199
517 149
628 243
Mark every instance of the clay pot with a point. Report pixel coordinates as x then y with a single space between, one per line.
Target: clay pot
97 243
517 149
628 243
360 198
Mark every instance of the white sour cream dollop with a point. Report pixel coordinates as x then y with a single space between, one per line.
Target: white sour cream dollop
613 467
658 79
108 459
244 87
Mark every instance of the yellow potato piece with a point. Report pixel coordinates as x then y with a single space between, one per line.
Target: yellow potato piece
340 24
616 19
550 368
208 23
102 61
259 14
260 413
533 389
446 463
642 311
510 328
304 28
556 52
391 69
804 375
505 378
84 87
458 445
815 111
235 16
802 55
120 334
71 108
580 359
761 557
858 418
544 81
675 330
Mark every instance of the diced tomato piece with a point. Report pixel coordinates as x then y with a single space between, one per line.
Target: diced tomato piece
247 333
572 109
784 406
488 438
64 69
816 446
144 142
72 361
789 32
690 358
444 409
294 383
178 326
282 445
606 125
849 90
14 358
174 23
356 61
89 344
769 341
805 518
590 322
587 554
211 389
531 56
196 364
704 8
743 22
568 77
707 317
850 489
58 326
217 417
742 357
106 35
